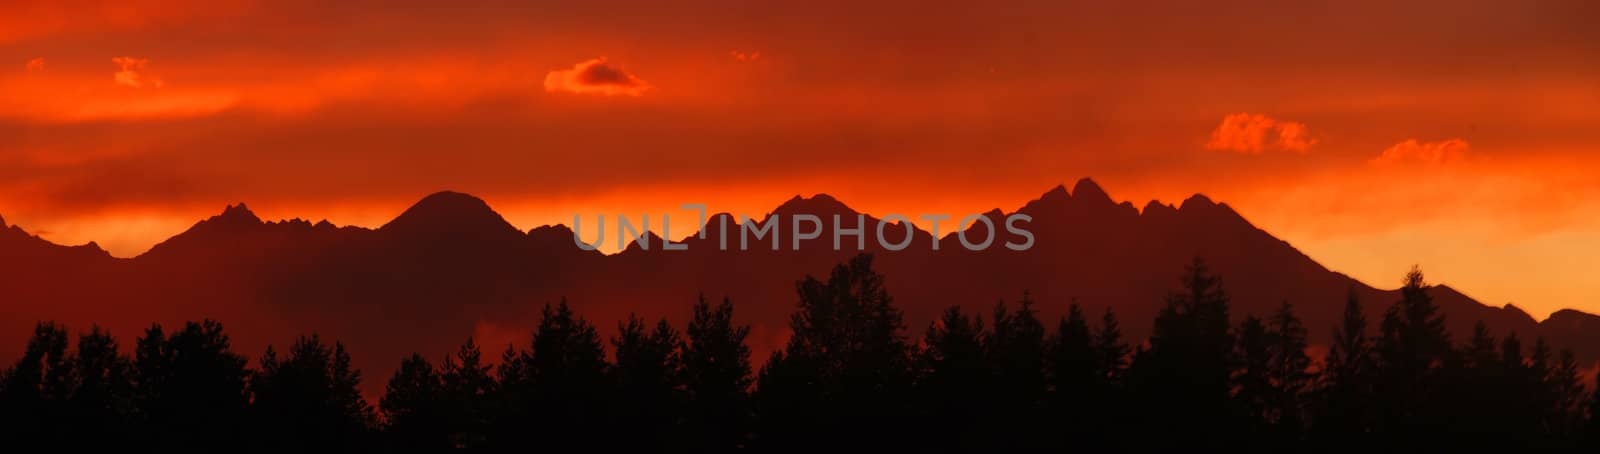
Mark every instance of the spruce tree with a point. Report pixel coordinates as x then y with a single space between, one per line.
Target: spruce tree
845 373
414 408
717 376
311 399
469 388
648 375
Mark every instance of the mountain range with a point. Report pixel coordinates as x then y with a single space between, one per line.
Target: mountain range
450 267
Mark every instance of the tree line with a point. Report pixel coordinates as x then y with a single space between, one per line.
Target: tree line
850 378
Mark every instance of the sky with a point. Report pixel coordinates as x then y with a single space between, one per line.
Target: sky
1462 136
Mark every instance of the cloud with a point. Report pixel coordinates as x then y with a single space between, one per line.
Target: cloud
1255 133
595 76
132 73
744 57
1426 153
36 64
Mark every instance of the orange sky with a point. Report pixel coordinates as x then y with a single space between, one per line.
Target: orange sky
1460 135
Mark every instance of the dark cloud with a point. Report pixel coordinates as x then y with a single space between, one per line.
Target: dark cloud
595 76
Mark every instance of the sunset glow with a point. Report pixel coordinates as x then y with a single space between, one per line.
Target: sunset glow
1461 136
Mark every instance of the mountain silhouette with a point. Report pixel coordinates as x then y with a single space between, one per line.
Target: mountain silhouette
451 267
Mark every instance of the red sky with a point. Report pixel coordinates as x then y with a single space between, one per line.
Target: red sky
1460 135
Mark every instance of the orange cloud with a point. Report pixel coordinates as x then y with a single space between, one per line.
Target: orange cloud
1255 133
36 64
1427 153
132 75
595 76
744 57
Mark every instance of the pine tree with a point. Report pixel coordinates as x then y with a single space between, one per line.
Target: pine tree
556 396
717 376
1287 371
311 400
1412 353
845 373
955 376
1074 362
1563 416
190 386
414 407
648 374
1183 378
1344 403
1015 352
34 396
1111 353
469 388
1253 380
102 402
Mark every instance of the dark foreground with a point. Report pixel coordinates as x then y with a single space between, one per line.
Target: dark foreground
850 379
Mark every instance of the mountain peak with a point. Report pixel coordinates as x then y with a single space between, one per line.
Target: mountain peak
240 213
1058 193
551 234
2 222
1196 201
1087 190
650 240
1156 208
450 212
232 218
450 200
820 205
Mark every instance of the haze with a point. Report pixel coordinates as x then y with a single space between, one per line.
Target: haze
1461 136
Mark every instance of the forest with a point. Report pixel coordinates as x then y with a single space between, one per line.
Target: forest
851 378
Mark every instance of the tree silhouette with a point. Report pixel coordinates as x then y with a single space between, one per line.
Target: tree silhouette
415 409
1111 353
1184 379
1083 370
556 396
648 374
102 402
1413 351
35 393
717 376
1015 352
191 388
310 400
1564 411
1074 363
1590 440
1287 373
844 374
955 376
1253 380
469 388
1344 406
848 380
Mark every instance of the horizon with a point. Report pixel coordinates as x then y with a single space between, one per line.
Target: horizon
1455 135
947 227
1026 226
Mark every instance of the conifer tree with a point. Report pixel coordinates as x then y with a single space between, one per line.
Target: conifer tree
414 408
845 373
191 388
648 375
1184 378
717 376
1413 351
1344 404
469 388
311 400
955 376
